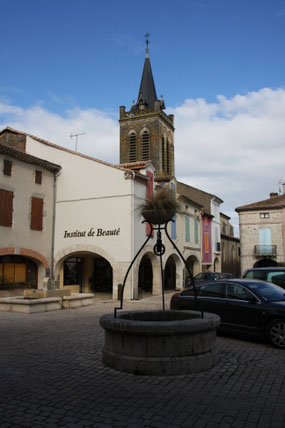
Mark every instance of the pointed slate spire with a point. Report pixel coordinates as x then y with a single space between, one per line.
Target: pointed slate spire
147 93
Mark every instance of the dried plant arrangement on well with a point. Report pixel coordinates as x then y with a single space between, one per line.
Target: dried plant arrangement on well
161 208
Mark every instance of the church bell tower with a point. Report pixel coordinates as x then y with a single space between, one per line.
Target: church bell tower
146 131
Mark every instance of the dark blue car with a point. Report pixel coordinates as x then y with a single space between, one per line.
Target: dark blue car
249 307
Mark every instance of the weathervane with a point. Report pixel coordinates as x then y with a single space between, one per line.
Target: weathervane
147 42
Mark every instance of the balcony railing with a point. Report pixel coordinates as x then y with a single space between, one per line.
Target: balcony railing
265 250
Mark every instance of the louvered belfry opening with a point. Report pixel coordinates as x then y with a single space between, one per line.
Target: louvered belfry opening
163 153
145 146
132 147
168 157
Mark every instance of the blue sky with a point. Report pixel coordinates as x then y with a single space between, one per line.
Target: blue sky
67 66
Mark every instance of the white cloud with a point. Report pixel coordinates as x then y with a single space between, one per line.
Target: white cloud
233 148
101 139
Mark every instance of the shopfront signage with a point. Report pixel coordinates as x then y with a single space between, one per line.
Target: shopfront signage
91 233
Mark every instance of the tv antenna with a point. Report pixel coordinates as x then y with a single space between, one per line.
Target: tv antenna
76 138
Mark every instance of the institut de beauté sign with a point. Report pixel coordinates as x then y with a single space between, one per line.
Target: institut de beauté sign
91 232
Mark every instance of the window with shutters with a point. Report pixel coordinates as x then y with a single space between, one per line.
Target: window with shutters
145 145
38 177
37 214
6 208
132 147
7 167
17 270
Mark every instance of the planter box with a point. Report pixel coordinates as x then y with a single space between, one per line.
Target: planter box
30 306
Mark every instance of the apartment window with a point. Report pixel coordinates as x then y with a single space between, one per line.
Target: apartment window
6 208
38 177
37 214
196 226
264 215
132 147
7 167
187 229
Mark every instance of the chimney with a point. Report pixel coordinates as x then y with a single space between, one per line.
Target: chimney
273 195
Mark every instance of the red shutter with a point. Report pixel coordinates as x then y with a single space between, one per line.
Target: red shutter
149 193
37 214
6 208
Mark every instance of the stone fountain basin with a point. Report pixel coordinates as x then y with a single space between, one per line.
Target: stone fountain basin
160 342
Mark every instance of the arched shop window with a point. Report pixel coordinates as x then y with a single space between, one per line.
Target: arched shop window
17 271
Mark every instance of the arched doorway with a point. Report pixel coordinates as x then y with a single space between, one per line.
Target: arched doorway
193 264
265 263
170 274
145 274
216 265
86 272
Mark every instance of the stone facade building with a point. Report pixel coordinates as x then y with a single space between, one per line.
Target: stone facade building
262 232
27 222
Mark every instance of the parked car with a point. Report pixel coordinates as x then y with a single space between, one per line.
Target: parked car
228 275
209 276
250 307
270 274
206 276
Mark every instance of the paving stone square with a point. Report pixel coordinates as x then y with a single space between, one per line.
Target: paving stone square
51 375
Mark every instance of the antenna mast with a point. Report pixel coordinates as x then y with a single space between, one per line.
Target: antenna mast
76 138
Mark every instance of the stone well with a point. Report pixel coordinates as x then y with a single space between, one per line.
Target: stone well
160 342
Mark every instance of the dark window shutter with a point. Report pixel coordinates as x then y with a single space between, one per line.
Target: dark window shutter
37 214
7 167
6 208
38 177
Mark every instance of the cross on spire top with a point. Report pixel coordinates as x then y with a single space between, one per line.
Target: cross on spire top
147 42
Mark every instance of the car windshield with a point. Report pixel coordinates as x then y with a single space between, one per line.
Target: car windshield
268 291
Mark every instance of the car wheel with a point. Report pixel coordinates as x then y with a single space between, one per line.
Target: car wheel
276 333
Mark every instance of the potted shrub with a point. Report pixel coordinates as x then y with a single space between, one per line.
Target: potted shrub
161 208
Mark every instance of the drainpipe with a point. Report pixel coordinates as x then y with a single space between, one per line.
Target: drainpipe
133 230
53 223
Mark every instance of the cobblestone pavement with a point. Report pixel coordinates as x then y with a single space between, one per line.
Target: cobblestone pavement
51 375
